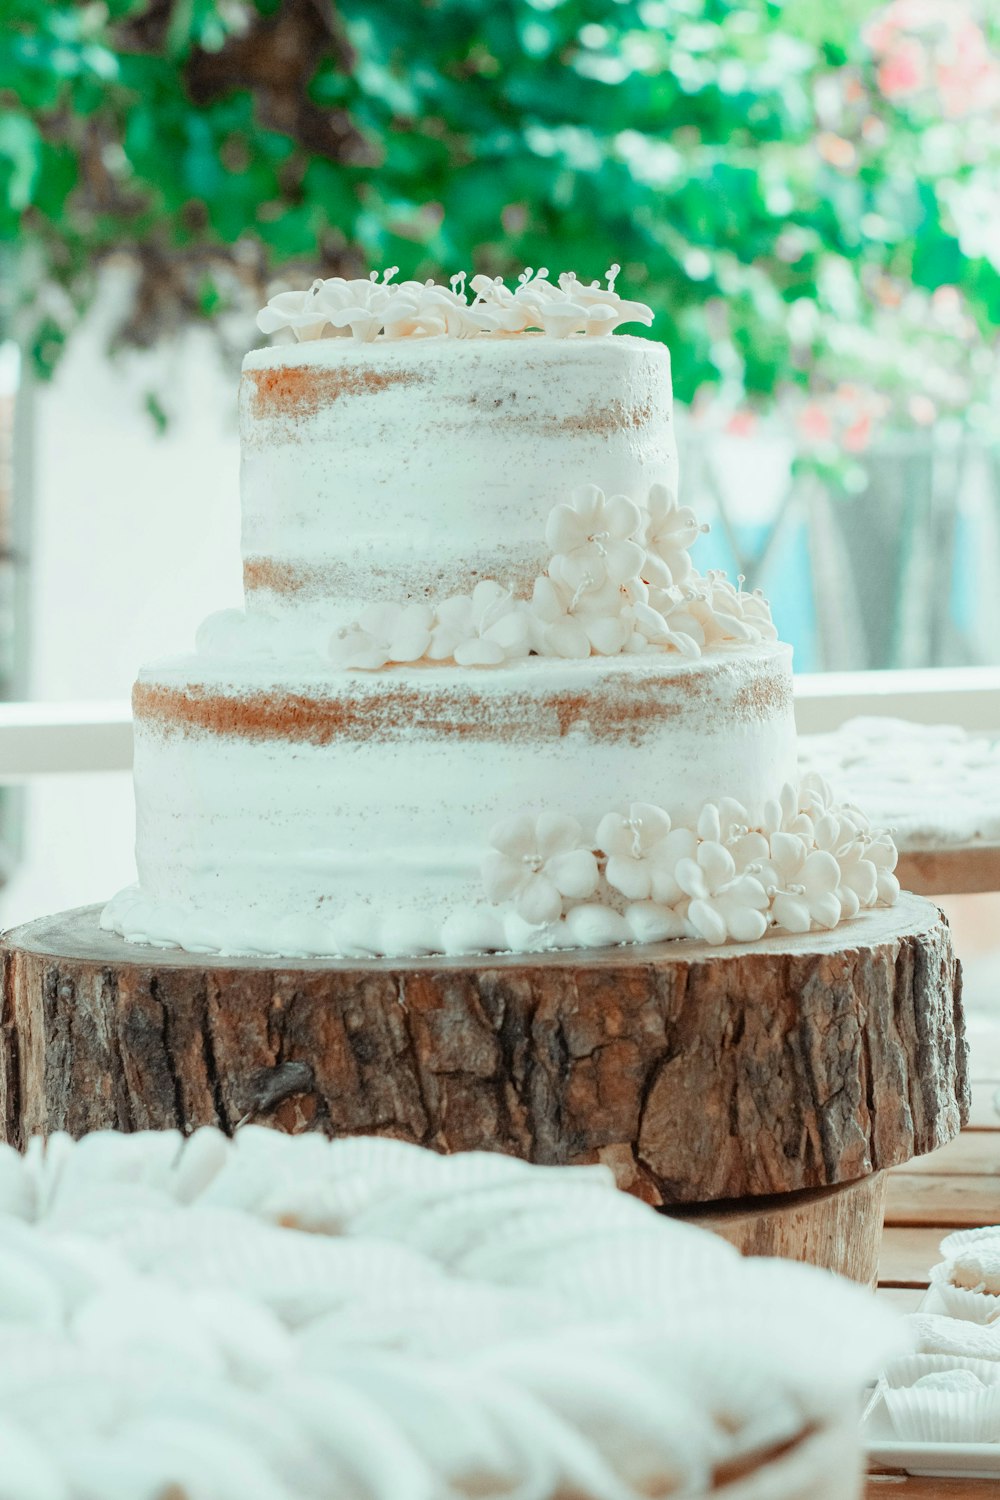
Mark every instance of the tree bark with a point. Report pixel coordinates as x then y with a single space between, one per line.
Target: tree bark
697 1073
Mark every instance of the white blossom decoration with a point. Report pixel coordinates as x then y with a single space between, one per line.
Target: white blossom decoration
594 539
383 633
481 629
722 880
724 904
561 310
538 863
643 851
365 309
568 623
711 612
669 532
296 311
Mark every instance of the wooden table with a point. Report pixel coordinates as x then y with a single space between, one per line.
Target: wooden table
951 869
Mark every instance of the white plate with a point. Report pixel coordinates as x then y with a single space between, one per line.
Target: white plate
936 1460
939 1460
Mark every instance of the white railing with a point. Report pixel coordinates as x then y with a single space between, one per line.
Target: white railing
969 696
39 739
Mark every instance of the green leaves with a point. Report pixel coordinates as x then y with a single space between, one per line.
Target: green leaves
20 162
735 156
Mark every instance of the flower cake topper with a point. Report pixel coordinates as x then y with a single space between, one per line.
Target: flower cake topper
368 309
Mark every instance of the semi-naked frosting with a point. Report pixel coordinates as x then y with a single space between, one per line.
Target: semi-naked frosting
479 699
290 1318
413 469
350 813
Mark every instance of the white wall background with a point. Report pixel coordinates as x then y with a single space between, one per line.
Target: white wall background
133 539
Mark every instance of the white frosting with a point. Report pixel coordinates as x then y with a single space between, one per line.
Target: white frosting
936 1333
978 1270
297 1319
934 785
370 836
410 470
955 1382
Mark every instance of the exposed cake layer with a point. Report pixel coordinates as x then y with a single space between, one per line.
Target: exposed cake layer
351 812
409 470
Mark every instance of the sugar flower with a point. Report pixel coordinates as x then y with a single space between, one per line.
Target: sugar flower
802 883
537 864
559 310
669 530
295 310
723 903
383 633
649 627
713 612
364 308
593 296
594 539
643 851
481 629
574 624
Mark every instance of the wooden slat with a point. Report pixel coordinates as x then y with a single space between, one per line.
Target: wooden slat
906 1487
904 1299
951 1202
974 1153
907 1256
985 1113
953 872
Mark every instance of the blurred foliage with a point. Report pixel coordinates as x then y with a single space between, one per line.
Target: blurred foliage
788 204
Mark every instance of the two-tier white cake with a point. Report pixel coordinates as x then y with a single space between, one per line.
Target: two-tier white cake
478 699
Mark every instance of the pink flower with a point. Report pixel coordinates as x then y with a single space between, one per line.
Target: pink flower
922 409
970 80
856 438
741 424
815 424
904 70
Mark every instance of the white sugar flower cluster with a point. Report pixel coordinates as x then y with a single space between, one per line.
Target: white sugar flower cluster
559 309
808 864
620 580
366 309
292 1318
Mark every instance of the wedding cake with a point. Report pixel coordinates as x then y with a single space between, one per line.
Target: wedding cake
478 699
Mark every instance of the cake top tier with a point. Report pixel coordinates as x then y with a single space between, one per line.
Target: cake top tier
369 309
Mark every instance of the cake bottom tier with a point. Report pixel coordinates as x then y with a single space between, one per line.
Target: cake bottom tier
295 811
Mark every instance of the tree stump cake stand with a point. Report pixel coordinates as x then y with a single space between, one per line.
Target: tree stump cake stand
761 1089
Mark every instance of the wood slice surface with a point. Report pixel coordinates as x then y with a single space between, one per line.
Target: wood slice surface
697 1073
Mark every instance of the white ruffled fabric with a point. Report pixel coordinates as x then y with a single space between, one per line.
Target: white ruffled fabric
276 1318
